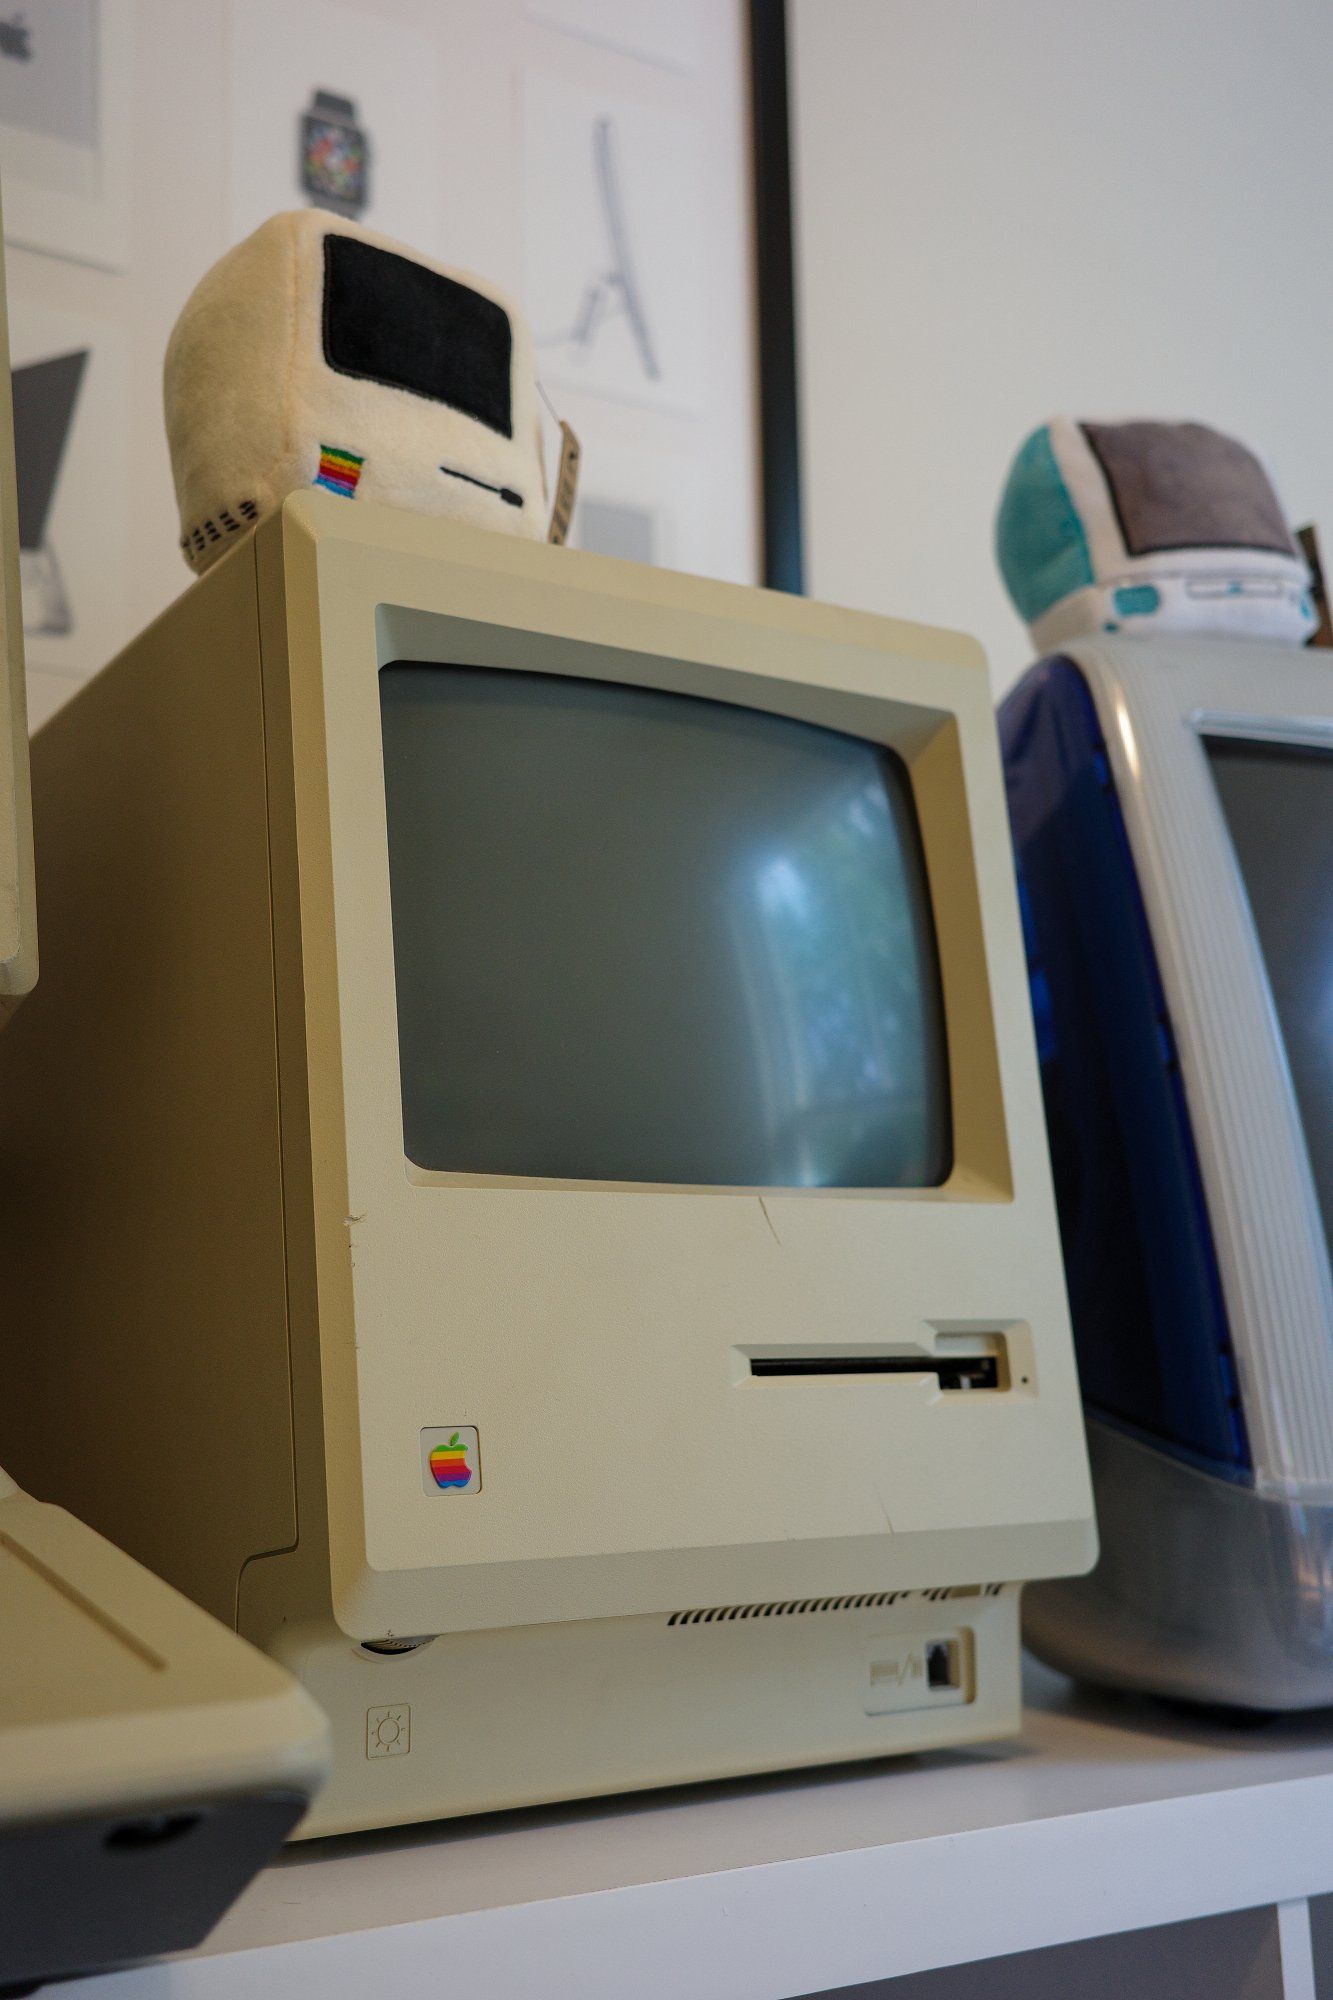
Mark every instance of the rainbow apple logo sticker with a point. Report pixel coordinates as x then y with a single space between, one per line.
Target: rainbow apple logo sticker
450 1459
448 1464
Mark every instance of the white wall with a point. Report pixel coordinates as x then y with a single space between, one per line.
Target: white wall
190 117
1007 208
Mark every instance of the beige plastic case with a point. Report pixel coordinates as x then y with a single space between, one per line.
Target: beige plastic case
273 1305
121 1695
18 914
150 1761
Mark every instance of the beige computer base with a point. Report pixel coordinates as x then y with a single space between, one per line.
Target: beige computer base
150 1761
241 1288
18 911
473 1722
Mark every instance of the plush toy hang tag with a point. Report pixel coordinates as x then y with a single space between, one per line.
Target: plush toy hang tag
1309 541
566 486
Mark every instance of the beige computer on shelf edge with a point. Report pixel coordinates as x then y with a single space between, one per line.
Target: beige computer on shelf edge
149 1762
531 1109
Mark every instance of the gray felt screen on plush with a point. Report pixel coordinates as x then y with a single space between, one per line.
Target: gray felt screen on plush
1187 486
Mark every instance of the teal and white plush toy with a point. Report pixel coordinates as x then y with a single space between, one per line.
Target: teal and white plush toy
1148 527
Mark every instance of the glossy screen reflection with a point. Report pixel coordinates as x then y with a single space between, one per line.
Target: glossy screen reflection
1278 803
644 937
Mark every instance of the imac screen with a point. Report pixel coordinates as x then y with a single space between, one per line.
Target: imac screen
1278 803
646 937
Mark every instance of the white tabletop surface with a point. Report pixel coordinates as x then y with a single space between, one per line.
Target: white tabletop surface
1106 1814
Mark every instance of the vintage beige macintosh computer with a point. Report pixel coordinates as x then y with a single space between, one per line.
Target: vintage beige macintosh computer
149 1761
532 1198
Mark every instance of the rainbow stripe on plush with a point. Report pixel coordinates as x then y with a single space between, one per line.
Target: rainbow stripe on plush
338 470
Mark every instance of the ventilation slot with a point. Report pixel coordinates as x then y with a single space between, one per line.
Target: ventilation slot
800 1607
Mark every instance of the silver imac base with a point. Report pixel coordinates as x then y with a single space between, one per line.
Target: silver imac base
1206 1591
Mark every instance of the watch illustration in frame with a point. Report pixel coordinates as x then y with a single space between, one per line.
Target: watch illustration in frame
334 156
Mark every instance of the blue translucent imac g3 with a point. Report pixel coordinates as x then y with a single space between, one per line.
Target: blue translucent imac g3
1171 801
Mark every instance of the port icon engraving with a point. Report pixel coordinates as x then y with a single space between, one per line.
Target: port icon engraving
915 1671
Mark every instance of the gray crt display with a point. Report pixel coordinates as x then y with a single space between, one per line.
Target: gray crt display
646 937
1278 803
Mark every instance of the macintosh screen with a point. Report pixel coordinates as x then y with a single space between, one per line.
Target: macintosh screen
1277 799
641 936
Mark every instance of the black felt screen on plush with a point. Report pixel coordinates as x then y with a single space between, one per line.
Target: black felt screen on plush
390 320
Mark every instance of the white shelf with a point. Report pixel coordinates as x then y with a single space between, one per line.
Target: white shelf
1105 1816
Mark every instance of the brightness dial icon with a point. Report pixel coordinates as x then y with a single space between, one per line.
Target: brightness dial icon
389 1731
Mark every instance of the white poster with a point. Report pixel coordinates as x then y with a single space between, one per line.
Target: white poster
65 81
669 32
646 506
70 448
613 236
334 108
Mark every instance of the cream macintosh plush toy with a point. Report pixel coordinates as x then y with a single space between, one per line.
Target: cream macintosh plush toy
316 353
1148 528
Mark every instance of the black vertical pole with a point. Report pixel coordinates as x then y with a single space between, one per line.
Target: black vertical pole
779 431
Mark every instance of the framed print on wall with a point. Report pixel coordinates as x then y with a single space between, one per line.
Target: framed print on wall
775 287
614 217
337 108
66 70
637 271
670 32
70 378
